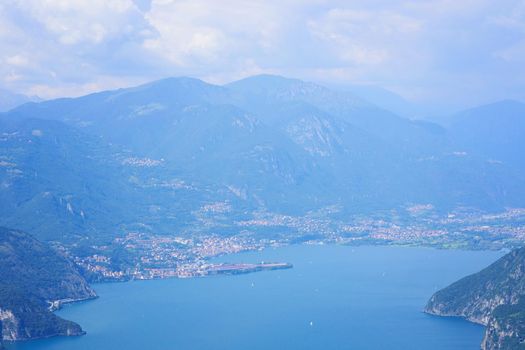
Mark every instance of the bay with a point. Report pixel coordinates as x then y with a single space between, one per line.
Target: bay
335 297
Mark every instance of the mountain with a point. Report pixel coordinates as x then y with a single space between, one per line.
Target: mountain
385 99
506 328
493 131
185 122
36 280
10 100
55 180
150 157
61 183
397 158
492 297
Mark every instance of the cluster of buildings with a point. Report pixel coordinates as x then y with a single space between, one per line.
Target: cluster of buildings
142 162
145 256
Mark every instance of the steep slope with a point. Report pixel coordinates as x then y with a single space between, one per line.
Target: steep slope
133 116
377 152
506 328
10 100
35 280
494 132
476 296
492 297
64 184
193 127
56 180
264 142
387 100
264 94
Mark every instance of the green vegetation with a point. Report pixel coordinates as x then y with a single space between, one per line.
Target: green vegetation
476 296
150 158
31 317
34 276
493 297
510 319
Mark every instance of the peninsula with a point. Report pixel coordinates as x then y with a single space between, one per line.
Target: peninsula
235 269
492 297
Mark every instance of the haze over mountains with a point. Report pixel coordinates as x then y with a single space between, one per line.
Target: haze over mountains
152 156
10 100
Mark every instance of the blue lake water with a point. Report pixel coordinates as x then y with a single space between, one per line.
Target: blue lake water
335 297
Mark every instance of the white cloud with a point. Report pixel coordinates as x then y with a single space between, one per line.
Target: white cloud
514 53
431 49
46 90
17 60
83 21
197 32
11 77
364 37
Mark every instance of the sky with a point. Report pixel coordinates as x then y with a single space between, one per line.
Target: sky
454 53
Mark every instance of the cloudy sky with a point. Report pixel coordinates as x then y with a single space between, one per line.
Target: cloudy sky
452 52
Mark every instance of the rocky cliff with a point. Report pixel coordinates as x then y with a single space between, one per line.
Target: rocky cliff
491 297
506 328
35 281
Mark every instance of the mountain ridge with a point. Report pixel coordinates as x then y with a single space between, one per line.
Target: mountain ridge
291 151
10 100
35 281
493 297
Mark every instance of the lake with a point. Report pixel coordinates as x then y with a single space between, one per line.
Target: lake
335 297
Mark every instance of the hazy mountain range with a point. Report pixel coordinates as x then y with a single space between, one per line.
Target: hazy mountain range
10 100
153 155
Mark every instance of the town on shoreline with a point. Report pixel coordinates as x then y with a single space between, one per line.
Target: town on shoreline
145 255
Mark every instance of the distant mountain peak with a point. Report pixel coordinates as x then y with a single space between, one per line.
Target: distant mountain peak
290 89
267 79
265 83
167 91
180 80
502 106
10 100
170 83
